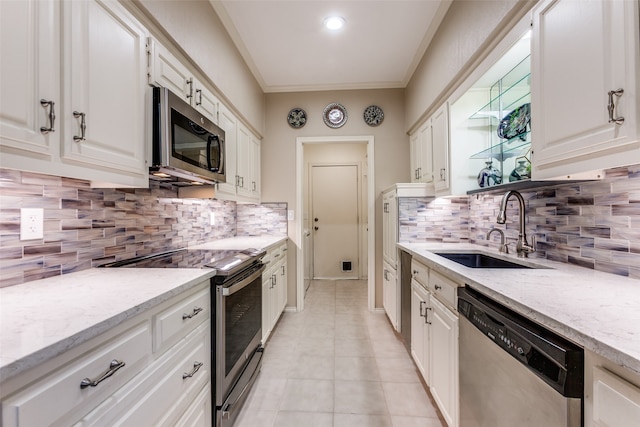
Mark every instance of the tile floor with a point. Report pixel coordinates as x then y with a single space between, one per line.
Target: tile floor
337 364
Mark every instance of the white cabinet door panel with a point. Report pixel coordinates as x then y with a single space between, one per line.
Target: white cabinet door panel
30 50
106 66
581 50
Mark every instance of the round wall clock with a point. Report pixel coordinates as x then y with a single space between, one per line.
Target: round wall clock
373 115
297 118
334 115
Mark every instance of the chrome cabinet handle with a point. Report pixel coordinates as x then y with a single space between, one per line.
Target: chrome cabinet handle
282 274
196 368
113 367
83 126
52 116
274 279
190 83
442 173
422 314
253 186
189 316
426 315
199 99
611 107
438 287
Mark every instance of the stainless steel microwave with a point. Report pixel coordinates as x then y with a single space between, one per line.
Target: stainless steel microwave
186 145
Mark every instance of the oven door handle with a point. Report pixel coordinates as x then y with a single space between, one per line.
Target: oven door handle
229 407
244 282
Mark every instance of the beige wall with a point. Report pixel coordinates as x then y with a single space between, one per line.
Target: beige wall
278 151
194 25
469 29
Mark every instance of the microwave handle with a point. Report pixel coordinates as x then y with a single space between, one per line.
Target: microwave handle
209 140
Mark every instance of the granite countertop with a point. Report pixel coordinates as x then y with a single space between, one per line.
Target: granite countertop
44 318
598 311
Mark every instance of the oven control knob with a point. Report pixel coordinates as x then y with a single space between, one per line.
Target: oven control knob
520 350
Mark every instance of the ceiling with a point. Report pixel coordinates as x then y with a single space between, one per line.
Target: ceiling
287 48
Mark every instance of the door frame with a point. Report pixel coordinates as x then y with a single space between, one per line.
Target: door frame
301 141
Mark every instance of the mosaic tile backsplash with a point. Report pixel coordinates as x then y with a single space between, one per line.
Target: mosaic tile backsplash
593 224
84 226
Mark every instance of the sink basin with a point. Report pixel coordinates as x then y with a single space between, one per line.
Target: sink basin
480 260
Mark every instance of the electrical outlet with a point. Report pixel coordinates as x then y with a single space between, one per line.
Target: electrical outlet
31 223
212 218
290 215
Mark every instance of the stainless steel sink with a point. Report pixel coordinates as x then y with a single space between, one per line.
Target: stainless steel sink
480 260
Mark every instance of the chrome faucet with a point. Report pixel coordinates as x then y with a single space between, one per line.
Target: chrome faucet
523 248
503 247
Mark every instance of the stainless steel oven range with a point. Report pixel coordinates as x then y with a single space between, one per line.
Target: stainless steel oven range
236 332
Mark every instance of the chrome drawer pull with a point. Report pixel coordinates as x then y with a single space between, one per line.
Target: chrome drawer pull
196 368
189 316
83 126
52 116
438 287
113 367
611 106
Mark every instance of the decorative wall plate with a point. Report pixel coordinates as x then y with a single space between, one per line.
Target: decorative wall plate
373 115
334 115
297 118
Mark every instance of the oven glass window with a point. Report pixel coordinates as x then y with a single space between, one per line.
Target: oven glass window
243 320
193 144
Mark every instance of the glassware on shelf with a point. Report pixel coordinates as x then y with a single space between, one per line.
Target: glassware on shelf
489 175
522 171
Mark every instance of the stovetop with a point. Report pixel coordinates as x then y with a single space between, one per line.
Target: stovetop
225 262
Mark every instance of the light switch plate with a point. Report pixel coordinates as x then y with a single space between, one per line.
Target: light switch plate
290 215
31 223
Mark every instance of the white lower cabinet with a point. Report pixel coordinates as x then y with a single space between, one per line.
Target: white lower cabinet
118 378
390 293
434 337
443 355
274 288
611 393
420 329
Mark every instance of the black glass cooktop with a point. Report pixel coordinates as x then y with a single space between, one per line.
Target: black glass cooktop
224 261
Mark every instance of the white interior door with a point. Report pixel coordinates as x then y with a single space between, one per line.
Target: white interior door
334 221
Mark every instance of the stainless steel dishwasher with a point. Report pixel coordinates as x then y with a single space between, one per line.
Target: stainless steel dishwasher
514 372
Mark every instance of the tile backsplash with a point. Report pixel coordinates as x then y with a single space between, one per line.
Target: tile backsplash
593 224
84 226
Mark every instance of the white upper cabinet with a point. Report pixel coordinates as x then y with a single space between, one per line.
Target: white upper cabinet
105 86
242 160
166 70
440 135
65 109
582 53
30 76
422 154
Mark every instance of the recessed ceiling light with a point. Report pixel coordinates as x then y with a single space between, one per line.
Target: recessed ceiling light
334 23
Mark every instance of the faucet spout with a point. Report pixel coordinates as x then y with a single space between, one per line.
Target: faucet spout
503 247
523 248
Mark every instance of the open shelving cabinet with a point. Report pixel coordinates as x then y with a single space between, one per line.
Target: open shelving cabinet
511 91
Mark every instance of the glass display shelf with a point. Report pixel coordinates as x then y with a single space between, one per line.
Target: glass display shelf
513 147
512 90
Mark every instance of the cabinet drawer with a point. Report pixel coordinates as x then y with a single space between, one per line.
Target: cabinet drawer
59 394
175 322
162 392
443 288
419 272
